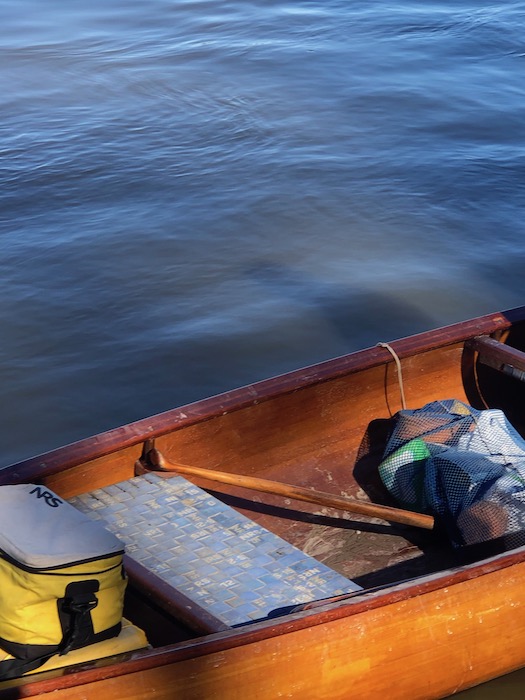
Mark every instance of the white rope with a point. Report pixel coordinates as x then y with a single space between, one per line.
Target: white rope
399 372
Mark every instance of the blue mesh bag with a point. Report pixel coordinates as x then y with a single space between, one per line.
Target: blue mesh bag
464 466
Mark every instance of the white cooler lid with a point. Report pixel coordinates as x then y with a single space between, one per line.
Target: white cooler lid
41 530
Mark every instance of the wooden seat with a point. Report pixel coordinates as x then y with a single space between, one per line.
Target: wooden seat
209 563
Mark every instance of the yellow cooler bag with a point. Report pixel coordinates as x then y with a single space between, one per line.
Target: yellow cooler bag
62 580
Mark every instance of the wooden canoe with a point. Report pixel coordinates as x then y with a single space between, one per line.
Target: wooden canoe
425 625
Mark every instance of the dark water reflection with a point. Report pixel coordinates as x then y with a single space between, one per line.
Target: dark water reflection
511 686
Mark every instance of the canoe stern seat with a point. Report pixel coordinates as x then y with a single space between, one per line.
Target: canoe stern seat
227 564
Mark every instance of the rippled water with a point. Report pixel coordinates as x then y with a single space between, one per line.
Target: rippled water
199 194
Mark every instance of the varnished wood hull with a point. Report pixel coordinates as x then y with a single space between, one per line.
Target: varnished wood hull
434 635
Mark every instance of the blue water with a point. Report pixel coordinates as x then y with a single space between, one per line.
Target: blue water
200 194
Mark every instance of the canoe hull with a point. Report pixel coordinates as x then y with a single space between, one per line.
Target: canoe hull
426 642
427 638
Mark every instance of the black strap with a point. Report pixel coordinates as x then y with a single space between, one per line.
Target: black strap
77 627
13 668
75 614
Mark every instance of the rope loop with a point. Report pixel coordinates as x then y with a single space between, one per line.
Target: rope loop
399 371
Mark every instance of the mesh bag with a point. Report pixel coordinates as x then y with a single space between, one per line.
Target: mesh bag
466 467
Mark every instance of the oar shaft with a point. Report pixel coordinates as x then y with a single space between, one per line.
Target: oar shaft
395 515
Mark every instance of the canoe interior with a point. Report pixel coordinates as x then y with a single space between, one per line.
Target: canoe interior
323 429
328 435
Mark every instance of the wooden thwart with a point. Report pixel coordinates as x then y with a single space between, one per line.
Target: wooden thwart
504 358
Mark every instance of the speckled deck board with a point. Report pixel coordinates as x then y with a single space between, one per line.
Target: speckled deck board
221 559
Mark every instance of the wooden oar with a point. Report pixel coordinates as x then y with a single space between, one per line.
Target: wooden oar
395 515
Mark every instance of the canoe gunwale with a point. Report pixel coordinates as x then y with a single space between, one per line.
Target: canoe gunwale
135 433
